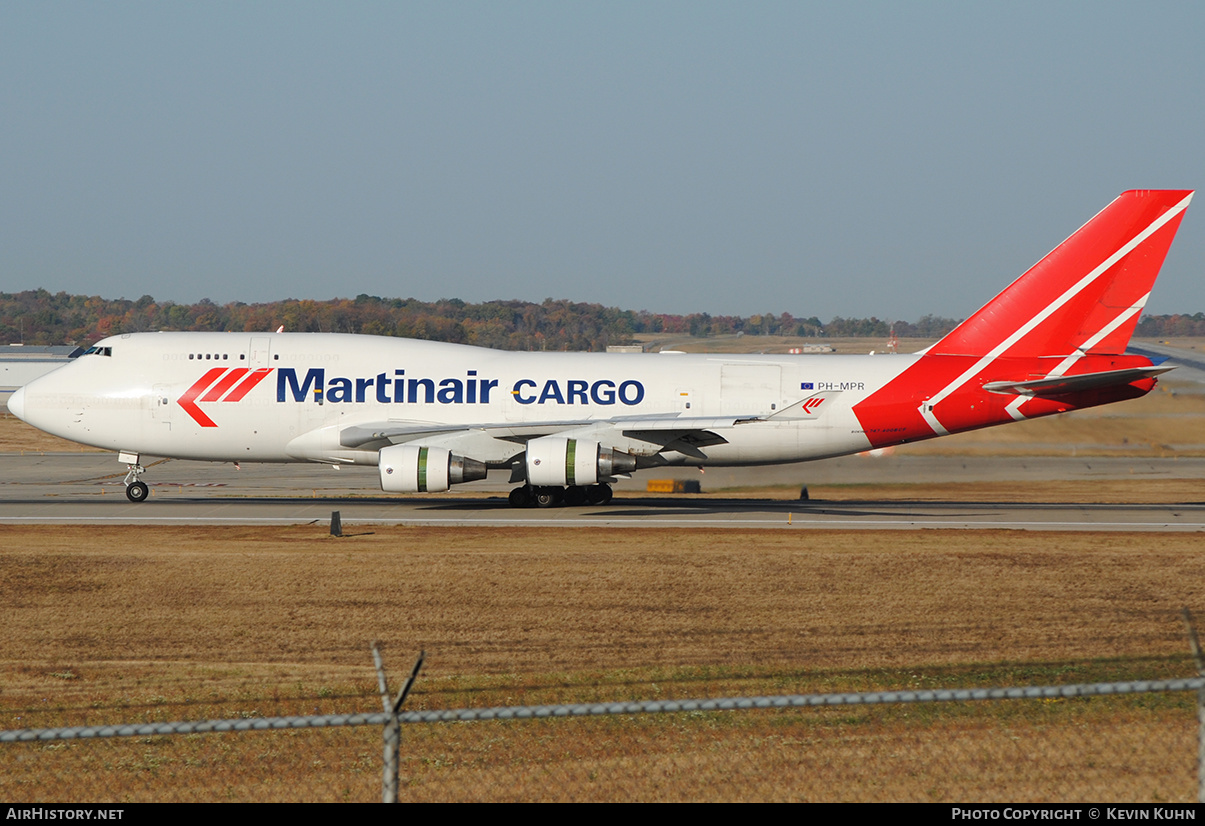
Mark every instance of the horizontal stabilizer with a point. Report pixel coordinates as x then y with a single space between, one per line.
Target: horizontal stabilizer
1061 385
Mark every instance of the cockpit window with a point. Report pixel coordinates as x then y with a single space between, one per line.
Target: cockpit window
99 351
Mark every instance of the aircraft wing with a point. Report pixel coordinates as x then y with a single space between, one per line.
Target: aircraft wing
398 431
663 428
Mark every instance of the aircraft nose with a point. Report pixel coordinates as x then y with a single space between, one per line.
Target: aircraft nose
16 403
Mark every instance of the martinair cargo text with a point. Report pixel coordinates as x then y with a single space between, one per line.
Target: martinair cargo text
565 425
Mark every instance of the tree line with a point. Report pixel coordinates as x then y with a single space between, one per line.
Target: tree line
42 317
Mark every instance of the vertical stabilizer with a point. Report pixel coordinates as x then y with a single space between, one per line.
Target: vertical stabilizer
1087 294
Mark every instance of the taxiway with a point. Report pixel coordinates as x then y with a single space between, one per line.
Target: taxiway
78 488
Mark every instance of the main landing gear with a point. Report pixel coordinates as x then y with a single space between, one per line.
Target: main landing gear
551 497
136 491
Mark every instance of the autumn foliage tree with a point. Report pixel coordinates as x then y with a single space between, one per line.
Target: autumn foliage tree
42 317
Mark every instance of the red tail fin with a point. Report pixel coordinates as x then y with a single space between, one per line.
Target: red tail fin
1087 294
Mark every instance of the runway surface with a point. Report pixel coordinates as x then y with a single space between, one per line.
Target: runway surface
87 488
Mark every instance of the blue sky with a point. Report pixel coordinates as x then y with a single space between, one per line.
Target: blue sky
856 159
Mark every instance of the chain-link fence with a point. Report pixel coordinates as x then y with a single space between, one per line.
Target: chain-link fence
1100 742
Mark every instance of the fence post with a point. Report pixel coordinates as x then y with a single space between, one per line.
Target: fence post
393 726
1195 645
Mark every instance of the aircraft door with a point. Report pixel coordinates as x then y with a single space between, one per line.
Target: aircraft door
754 389
161 406
260 352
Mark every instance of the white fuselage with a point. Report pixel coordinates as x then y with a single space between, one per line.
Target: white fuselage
295 397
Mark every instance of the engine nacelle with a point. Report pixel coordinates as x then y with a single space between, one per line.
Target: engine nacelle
413 469
554 460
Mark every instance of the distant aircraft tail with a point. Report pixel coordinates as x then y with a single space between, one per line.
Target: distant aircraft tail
1085 296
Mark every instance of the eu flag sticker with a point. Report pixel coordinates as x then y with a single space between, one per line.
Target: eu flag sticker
807 385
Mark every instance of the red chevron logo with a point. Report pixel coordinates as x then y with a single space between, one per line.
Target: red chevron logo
220 384
811 404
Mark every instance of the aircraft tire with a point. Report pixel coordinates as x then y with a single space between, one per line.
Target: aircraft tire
598 494
548 497
137 492
575 496
520 497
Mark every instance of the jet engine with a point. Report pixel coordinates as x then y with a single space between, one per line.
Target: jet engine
414 469
553 460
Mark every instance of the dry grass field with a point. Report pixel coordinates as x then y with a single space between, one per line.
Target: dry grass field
486 601
112 624
18 437
1003 754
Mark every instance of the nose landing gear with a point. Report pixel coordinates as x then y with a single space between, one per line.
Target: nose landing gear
136 491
